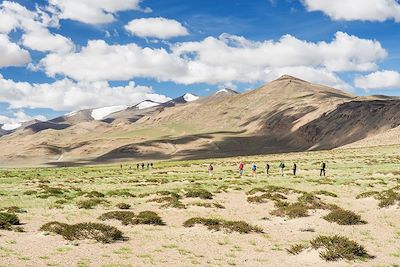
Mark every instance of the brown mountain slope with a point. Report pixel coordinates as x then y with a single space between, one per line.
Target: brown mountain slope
285 115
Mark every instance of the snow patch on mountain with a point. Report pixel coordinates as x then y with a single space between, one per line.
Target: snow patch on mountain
147 104
190 97
222 91
70 114
101 113
11 126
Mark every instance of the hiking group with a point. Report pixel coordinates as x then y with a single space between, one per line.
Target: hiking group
281 167
142 165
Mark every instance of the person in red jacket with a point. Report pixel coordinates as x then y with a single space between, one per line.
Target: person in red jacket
241 168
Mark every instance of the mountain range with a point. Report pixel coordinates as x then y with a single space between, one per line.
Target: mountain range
285 115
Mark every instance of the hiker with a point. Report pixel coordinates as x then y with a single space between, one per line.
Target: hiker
267 168
282 167
322 171
151 165
148 165
142 166
254 169
137 166
210 169
294 169
241 167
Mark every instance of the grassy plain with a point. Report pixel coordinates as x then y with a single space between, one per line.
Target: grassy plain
176 214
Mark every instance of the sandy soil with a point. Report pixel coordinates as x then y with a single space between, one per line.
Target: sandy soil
175 245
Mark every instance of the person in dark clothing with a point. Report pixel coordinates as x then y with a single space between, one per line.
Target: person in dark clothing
294 169
267 168
151 165
282 168
137 166
323 167
142 166
210 169
148 165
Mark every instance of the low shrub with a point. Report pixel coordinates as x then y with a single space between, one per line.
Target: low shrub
123 206
97 231
296 249
325 193
292 210
148 217
219 224
125 217
367 194
7 220
90 203
172 201
47 192
338 247
200 193
120 193
128 217
94 194
344 217
386 198
266 196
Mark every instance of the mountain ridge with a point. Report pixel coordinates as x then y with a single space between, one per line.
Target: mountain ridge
285 115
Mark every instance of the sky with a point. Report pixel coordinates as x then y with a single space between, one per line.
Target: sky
58 56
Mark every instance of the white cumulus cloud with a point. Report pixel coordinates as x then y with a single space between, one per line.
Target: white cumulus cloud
220 60
66 95
34 24
101 61
19 117
385 79
364 10
11 54
93 11
161 28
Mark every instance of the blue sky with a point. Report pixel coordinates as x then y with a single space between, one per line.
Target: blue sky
66 55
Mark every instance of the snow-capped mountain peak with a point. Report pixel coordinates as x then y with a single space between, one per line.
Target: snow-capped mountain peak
190 97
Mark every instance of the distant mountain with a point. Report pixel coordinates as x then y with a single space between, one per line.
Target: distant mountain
146 108
2 131
285 115
74 117
186 98
226 92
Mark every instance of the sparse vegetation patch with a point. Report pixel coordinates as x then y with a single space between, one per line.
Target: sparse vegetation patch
344 217
339 247
128 217
7 220
90 203
123 206
219 224
386 198
97 231
200 193
296 249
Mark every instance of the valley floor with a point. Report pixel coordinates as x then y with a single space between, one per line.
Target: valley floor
181 190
